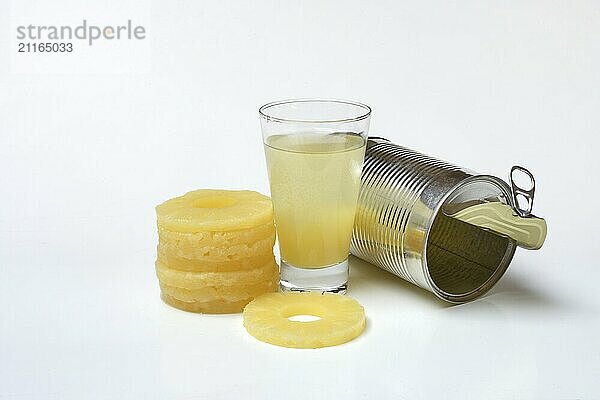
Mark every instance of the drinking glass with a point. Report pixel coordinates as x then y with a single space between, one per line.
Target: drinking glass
314 150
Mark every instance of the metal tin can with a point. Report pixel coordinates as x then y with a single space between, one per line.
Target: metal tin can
404 222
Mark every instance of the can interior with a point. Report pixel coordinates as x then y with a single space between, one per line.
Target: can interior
464 260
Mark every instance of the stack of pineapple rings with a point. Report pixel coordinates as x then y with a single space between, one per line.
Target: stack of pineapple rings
215 255
215 250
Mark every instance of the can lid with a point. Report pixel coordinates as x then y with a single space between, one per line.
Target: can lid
515 221
529 232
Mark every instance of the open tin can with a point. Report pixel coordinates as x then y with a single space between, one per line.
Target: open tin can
444 228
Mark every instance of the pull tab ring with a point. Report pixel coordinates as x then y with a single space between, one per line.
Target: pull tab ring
517 191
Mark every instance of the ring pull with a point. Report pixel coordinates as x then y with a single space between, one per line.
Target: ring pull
522 196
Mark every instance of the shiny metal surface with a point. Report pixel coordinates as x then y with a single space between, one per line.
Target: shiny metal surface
402 193
527 194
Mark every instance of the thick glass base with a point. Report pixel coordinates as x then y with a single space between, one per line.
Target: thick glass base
332 279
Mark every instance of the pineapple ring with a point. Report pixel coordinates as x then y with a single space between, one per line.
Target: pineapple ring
215 210
190 264
231 253
341 319
198 280
225 293
188 241
206 307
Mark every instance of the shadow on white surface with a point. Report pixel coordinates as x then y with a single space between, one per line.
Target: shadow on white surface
512 289
524 295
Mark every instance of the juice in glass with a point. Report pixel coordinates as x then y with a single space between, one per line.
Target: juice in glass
314 186
314 150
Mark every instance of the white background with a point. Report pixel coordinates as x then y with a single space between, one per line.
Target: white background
91 141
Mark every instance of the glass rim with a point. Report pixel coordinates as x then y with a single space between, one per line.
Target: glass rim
263 114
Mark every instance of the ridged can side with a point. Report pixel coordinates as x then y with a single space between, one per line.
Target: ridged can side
401 192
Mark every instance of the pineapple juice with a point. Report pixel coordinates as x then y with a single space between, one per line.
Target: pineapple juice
315 179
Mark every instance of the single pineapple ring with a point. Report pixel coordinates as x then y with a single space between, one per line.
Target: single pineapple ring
190 264
224 293
187 242
341 319
209 210
206 307
199 280
216 254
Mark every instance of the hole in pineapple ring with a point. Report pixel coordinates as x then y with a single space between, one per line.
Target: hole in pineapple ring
302 313
304 318
214 202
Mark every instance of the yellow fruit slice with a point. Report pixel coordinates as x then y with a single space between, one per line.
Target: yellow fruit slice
208 307
215 210
219 254
187 264
199 280
225 293
187 242
341 319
